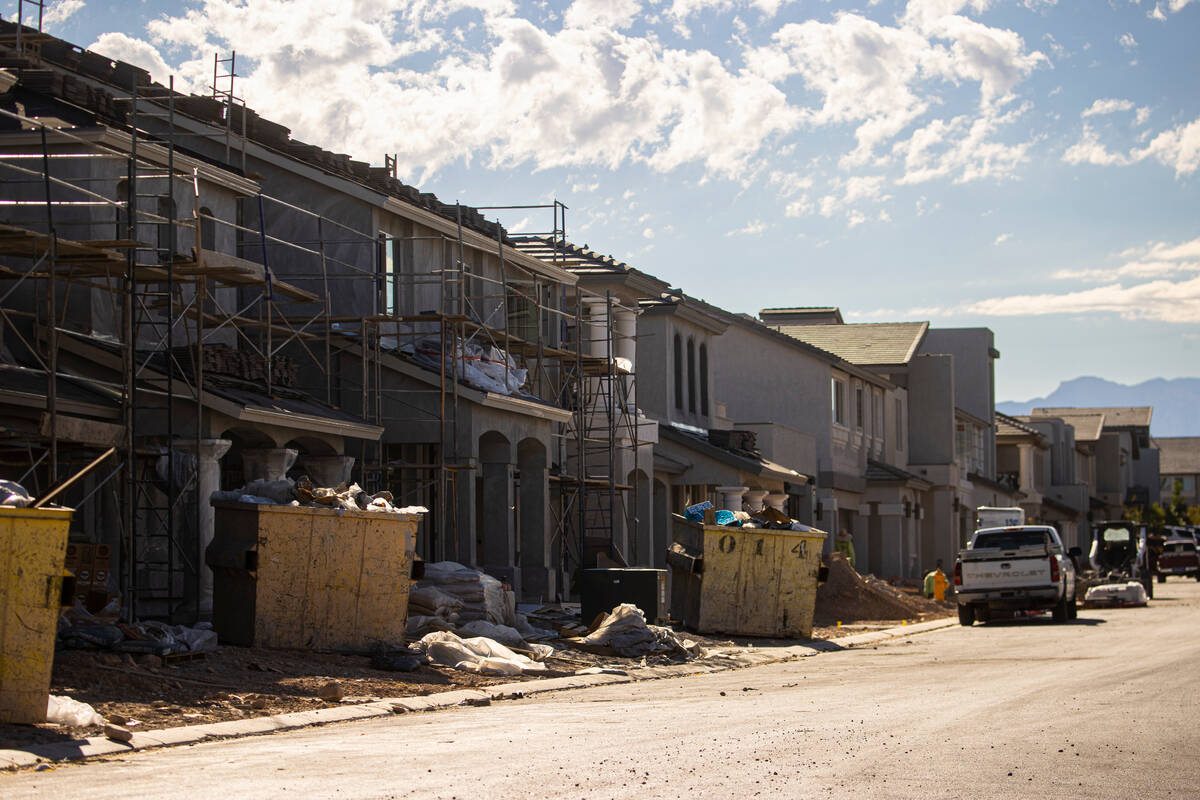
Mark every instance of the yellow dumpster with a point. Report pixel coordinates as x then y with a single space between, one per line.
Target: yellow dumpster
311 578
744 581
33 547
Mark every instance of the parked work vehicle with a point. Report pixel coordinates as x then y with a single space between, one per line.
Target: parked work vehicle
1017 568
999 516
1179 558
1121 553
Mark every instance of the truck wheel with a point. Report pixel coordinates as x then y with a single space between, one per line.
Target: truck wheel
1149 589
1162 578
1072 609
966 615
1060 610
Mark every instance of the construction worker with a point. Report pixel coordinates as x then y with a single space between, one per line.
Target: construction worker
844 544
936 583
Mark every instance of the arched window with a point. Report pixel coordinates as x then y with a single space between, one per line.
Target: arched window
208 229
166 224
691 375
704 379
678 372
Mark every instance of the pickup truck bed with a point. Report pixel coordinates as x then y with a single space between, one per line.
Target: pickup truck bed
1178 558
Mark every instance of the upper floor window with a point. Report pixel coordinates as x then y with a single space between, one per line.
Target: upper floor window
859 412
838 392
691 365
387 272
678 369
704 379
877 415
899 424
208 229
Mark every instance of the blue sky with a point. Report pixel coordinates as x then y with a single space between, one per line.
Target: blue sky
1031 167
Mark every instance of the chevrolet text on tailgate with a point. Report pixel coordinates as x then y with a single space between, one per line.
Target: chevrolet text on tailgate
1018 568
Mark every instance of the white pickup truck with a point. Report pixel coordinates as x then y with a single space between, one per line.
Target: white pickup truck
1018 568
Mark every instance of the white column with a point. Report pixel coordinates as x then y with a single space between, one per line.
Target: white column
597 326
754 499
269 464
731 497
328 471
624 331
208 480
776 501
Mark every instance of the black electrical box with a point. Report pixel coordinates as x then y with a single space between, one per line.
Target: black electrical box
602 590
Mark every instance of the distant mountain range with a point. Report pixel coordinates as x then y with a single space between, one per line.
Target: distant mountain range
1176 402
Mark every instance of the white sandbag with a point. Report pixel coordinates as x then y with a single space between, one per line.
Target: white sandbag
65 711
477 654
529 632
501 633
420 624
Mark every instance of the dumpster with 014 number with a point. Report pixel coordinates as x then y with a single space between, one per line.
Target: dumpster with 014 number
744 581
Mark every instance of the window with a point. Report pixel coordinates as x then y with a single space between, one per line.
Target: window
858 407
838 391
678 365
522 315
166 225
899 425
877 415
704 379
387 272
208 229
691 347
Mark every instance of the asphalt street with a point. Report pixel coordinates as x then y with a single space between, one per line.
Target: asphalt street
1104 707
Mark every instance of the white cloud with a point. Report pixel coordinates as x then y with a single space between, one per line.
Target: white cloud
1107 105
755 227
120 47
616 14
1127 41
1160 300
1158 281
1002 238
60 12
1177 148
601 90
648 233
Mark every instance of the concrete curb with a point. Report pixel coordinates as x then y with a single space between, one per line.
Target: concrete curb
95 746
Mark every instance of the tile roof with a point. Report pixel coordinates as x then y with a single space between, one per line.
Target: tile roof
1087 422
1114 416
1011 426
878 471
1178 455
863 343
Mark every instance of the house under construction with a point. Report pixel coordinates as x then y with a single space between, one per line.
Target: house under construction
185 284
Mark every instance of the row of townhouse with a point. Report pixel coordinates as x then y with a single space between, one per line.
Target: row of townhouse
1077 465
182 280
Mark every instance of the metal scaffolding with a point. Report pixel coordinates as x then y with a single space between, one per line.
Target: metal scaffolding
115 212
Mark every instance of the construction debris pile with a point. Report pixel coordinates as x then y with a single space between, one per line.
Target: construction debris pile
78 629
302 492
847 596
221 359
13 495
766 517
481 365
624 633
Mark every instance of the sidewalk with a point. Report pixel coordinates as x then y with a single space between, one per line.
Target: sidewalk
749 657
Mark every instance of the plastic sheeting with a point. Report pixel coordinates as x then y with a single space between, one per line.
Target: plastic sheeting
14 494
626 633
481 365
477 654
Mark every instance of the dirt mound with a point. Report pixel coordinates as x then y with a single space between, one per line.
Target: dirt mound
849 597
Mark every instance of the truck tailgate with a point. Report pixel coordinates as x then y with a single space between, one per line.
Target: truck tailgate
998 569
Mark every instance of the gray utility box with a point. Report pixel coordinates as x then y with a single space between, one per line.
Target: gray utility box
602 590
